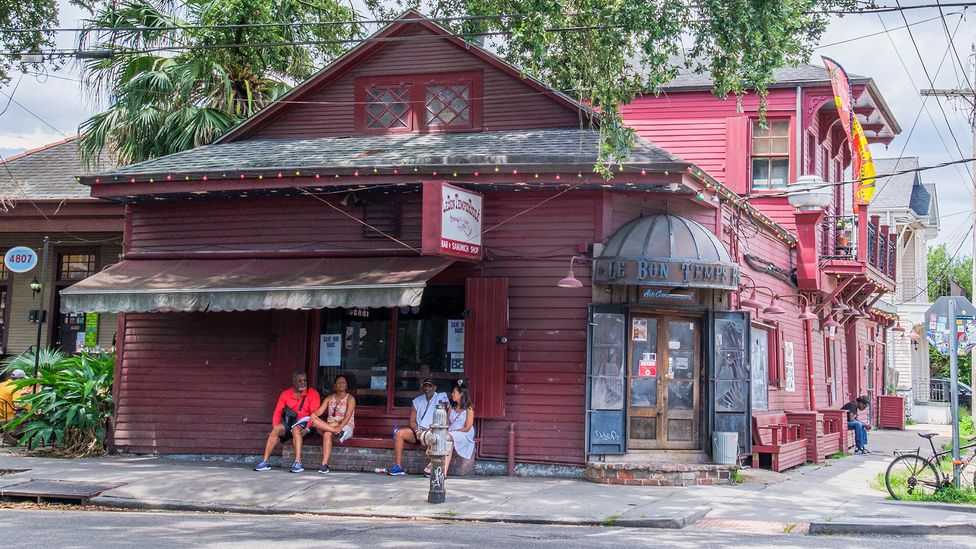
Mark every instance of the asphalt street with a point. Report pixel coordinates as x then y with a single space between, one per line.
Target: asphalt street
69 529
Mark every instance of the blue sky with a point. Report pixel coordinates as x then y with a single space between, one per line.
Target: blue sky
59 105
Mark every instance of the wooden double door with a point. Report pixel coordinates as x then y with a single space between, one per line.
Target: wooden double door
663 395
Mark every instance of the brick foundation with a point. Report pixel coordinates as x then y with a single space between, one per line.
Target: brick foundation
658 474
368 459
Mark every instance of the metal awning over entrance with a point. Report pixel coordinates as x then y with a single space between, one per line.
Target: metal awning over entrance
192 285
666 251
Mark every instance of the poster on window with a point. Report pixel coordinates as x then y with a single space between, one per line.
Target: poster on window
790 373
647 366
457 363
455 336
330 353
639 330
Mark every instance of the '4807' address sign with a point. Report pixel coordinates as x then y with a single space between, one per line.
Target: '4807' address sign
20 259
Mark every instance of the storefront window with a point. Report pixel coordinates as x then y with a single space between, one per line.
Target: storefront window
431 335
356 342
607 391
760 367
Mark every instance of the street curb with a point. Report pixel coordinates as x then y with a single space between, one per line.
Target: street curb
673 521
957 507
897 529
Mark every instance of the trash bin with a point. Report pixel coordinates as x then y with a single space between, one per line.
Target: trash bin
725 447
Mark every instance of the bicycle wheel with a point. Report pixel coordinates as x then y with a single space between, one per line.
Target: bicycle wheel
911 475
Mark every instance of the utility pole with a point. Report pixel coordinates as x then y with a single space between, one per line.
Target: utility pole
969 97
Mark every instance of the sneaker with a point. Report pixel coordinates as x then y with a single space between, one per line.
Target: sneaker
324 469
345 435
427 471
396 471
297 467
263 465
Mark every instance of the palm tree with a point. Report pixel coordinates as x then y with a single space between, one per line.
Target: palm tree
176 76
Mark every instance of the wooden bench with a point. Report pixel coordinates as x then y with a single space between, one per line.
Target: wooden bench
776 443
822 432
366 453
837 419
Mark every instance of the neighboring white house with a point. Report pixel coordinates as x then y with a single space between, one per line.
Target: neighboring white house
910 207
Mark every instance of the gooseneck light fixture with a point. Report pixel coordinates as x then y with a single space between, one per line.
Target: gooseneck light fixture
570 281
35 286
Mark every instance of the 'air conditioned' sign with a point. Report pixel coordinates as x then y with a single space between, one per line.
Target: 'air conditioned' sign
452 221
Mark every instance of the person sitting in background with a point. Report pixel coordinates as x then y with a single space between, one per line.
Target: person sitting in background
421 416
339 410
290 420
460 423
9 395
854 424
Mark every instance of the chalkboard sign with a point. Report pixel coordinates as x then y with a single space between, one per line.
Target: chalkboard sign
607 432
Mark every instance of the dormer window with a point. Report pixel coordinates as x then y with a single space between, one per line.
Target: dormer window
770 155
421 103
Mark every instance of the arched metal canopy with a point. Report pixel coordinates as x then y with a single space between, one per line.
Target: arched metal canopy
667 251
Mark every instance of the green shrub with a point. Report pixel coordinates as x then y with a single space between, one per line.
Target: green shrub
72 406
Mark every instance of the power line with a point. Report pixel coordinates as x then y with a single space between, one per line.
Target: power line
869 35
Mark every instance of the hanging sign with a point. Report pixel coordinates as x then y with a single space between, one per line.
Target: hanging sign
91 330
20 259
451 221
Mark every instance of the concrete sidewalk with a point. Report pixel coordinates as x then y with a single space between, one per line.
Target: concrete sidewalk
837 496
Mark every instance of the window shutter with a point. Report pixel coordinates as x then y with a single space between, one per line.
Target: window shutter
737 132
485 356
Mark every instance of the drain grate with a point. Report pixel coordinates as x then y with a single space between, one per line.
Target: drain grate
54 490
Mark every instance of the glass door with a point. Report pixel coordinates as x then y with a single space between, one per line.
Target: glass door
664 388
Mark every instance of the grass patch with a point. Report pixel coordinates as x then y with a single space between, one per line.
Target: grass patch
610 521
788 527
735 476
948 494
878 483
910 421
838 455
450 513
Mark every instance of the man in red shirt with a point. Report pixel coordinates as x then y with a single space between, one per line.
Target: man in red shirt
295 406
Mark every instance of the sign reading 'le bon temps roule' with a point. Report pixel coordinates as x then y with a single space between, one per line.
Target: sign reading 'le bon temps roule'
452 221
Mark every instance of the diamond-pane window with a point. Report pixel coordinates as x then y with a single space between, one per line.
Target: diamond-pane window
387 107
447 105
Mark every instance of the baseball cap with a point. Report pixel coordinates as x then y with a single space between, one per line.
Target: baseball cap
428 381
18 374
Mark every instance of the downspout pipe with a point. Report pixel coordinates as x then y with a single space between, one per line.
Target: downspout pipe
808 328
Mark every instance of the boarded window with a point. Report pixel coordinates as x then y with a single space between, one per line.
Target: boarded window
770 155
419 103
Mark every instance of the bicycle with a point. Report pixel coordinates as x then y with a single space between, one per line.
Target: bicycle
910 474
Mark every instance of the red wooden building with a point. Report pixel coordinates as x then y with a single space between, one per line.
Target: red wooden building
417 202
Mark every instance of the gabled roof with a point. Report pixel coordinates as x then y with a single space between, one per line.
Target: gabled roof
372 45
549 146
903 191
48 172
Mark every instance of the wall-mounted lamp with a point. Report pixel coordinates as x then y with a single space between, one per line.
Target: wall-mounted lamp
830 327
350 200
571 281
35 286
751 301
773 308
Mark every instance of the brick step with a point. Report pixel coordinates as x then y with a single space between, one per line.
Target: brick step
658 474
360 459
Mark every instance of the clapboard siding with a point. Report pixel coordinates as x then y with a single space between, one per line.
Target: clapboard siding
507 103
195 383
303 223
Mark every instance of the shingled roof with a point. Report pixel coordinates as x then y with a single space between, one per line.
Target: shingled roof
803 74
48 172
551 146
900 192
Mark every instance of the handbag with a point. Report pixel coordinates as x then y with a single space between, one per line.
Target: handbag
289 417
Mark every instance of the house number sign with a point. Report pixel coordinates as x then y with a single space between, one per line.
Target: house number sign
20 259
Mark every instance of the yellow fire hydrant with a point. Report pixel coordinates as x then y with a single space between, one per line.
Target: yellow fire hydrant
438 447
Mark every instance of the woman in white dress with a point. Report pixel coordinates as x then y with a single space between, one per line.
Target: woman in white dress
460 422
